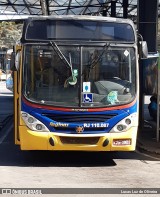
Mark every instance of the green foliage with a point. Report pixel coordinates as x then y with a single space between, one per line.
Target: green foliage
10 33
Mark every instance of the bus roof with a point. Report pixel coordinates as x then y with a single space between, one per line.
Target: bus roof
71 27
82 17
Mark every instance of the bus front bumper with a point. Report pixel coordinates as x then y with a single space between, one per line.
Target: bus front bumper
33 140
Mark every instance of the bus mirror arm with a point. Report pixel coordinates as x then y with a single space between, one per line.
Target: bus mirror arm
142 47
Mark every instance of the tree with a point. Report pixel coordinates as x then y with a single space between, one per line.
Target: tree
10 33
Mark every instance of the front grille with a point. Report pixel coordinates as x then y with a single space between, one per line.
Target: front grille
79 118
79 140
72 130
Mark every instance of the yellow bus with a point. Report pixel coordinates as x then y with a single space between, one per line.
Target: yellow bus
76 84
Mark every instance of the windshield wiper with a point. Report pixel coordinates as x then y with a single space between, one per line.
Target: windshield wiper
71 80
59 53
96 59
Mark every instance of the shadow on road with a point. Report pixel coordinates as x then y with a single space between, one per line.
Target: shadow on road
11 155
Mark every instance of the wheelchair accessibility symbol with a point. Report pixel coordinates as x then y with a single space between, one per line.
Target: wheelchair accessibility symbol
87 98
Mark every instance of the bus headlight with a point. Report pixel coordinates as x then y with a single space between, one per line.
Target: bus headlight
121 127
32 123
30 120
126 123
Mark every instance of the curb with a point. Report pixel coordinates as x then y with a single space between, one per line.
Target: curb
149 150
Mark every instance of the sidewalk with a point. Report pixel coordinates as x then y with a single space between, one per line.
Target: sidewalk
146 140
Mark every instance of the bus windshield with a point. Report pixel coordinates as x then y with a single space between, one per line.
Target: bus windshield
79 76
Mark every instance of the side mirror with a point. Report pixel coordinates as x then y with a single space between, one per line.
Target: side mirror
15 60
143 50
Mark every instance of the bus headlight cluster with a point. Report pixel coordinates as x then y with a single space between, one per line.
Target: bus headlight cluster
126 123
32 123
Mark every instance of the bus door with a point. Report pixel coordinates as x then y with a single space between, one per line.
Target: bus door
15 66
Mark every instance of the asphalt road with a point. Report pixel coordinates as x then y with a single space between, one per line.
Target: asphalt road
6 103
